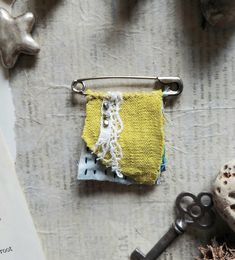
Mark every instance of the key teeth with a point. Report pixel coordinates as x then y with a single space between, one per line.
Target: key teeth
137 255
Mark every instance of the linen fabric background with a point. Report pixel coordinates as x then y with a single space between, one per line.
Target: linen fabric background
88 38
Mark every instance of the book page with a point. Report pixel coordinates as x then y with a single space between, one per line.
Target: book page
18 237
7 119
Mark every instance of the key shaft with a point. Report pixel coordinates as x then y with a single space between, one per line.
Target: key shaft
162 244
175 230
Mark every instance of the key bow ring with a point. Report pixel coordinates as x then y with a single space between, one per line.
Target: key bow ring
195 210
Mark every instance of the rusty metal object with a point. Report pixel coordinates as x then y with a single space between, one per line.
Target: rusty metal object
219 13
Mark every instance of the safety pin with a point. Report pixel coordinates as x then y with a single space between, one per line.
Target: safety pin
173 86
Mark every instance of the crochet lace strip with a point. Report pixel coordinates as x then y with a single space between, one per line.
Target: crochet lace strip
107 147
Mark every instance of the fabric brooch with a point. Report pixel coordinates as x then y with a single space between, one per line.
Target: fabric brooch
124 133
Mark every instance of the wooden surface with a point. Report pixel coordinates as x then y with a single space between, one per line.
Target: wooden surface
95 37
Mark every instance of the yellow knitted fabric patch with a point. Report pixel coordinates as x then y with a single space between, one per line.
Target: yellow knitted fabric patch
142 138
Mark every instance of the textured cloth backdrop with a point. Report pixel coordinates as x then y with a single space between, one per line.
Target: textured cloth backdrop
79 38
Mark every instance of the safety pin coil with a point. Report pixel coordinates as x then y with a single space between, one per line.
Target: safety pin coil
172 86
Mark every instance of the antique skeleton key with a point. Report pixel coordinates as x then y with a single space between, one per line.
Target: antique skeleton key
191 210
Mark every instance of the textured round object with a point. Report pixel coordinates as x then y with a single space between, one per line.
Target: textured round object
219 13
224 193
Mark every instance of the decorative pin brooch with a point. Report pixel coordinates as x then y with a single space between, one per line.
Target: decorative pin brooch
124 132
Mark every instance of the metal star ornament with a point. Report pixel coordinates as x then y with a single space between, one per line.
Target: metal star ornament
15 37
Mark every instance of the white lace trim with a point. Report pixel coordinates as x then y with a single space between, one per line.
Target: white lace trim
111 127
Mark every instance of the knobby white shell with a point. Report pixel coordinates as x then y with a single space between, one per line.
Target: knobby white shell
224 193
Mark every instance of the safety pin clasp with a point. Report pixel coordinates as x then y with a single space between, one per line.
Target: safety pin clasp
172 86
78 90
